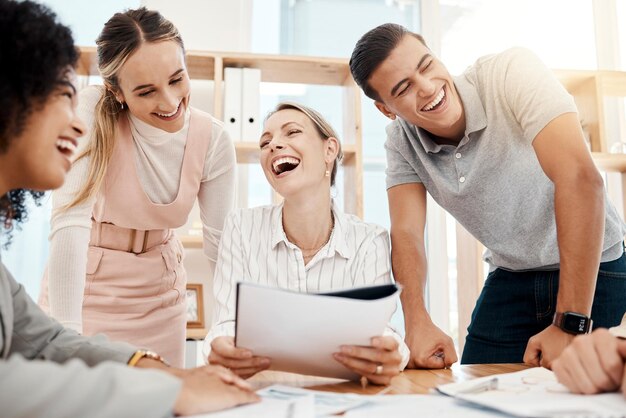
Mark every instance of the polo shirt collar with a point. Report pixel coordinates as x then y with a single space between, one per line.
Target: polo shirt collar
475 116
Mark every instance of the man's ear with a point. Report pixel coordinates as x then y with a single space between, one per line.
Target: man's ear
384 110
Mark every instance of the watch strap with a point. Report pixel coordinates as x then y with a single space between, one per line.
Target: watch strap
559 321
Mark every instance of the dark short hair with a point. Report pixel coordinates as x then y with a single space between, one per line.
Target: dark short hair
35 53
372 49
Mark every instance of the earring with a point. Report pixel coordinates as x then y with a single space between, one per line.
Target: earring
122 105
327 173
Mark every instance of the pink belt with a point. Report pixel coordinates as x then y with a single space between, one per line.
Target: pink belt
113 237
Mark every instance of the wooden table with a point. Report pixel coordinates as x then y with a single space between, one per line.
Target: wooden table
422 381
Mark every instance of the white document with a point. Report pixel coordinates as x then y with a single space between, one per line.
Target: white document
232 102
324 403
422 406
284 401
535 393
250 104
300 407
301 331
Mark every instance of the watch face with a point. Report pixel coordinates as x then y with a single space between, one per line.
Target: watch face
575 323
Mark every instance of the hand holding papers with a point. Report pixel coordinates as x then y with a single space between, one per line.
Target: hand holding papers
301 331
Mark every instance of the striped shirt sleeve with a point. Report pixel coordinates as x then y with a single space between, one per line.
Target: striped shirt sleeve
228 271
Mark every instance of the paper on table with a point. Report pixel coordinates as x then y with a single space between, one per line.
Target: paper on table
284 401
301 331
325 403
535 392
422 406
300 407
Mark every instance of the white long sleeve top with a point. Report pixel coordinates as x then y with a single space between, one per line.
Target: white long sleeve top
255 249
159 157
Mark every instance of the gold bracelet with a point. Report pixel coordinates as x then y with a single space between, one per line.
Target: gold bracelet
139 354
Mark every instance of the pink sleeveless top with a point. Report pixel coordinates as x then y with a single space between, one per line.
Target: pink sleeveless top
123 202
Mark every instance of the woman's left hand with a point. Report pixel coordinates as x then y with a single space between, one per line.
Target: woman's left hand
379 363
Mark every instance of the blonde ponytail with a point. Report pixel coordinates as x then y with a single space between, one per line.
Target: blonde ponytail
101 147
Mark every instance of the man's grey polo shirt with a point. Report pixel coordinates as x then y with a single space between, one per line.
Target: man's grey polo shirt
492 182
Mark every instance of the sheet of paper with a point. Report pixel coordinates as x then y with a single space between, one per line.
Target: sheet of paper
301 331
536 393
279 401
325 403
271 405
422 406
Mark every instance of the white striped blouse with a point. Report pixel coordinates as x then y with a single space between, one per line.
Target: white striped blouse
255 249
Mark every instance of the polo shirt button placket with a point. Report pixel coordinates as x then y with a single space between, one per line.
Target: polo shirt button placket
458 156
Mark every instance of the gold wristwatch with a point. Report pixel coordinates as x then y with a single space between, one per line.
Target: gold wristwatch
139 354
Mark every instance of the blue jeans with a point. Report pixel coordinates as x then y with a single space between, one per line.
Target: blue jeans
514 306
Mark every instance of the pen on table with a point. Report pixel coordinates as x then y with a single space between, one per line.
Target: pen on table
484 386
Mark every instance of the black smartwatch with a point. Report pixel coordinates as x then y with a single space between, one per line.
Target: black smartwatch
572 322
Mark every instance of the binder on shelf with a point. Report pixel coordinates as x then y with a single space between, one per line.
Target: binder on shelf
232 102
250 118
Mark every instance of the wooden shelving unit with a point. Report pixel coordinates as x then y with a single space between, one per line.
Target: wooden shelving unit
610 163
589 89
204 65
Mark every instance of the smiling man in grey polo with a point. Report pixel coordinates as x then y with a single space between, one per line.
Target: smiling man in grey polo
501 149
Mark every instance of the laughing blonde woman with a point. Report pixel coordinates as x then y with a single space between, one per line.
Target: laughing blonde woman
115 264
305 244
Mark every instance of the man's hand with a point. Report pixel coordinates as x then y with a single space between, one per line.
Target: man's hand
545 347
592 363
430 347
240 360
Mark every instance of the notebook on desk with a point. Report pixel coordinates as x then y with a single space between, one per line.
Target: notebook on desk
301 331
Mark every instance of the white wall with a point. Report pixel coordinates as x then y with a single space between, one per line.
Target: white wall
216 25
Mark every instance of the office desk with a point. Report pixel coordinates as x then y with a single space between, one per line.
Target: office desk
422 381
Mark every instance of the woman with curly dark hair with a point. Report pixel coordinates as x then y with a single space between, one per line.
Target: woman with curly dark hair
24 88
115 263
39 359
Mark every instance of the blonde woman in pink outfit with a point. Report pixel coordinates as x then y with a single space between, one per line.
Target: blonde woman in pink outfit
115 264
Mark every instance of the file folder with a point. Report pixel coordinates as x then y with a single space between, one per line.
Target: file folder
301 331
232 102
250 120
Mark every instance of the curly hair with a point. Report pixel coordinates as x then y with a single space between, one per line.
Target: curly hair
35 51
